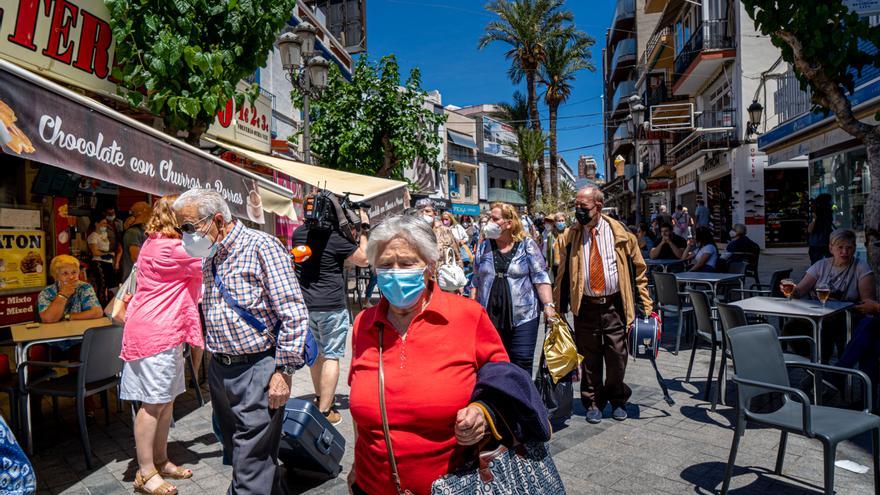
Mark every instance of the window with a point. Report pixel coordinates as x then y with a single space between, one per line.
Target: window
466 186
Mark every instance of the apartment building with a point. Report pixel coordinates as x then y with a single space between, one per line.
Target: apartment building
463 169
500 171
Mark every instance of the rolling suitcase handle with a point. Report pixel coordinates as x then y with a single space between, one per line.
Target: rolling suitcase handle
325 441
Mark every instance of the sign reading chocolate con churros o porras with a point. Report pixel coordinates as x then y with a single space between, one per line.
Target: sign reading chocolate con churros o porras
70 135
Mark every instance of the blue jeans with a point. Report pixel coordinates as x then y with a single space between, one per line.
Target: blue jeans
520 344
864 348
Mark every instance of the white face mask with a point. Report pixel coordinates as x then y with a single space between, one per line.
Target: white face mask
429 219
102 230
492 231
732 234
199 245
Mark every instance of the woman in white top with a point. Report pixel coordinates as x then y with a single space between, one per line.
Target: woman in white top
101 266
849 279
701 249
681 221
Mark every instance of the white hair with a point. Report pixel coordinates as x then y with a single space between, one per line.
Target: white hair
207 202
593 192
413 230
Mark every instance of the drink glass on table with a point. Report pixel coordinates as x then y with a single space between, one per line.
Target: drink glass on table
822 292
788 288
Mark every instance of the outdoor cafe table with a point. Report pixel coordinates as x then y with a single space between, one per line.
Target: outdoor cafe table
804 309
27 335
663 264
711 279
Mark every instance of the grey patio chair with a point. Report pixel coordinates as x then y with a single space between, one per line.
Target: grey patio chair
98 372
733 316
669 299
772 289
761 369
706 331
723 289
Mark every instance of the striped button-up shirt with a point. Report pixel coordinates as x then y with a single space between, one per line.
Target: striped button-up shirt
605 240
258 273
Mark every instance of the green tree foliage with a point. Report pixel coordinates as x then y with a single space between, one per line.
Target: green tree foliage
824 42
372 125
565 57
529 147
182 59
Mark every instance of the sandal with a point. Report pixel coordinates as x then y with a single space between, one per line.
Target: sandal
180 473
140 485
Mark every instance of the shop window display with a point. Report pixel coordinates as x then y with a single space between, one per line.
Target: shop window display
787 205
846 177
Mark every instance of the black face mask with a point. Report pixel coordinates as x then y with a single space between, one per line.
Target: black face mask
582 215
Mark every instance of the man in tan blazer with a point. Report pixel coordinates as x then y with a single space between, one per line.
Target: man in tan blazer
597 262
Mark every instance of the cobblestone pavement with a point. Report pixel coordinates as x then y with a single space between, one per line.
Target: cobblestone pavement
675 449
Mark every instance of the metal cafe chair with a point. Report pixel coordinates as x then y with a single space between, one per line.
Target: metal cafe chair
670 300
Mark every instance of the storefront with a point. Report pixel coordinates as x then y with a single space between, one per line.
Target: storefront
846 177
788 207
66 157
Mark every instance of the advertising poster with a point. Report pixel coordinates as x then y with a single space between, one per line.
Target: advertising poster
497 137
22 259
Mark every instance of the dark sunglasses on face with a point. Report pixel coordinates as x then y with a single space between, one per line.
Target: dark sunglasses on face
190 227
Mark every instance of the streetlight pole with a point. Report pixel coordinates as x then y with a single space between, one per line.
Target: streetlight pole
637 114
306 70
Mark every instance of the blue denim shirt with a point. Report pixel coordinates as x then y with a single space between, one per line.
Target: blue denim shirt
527 268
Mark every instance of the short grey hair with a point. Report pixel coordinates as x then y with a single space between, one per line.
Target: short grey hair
413 230
740 229
842 235
593 192
207 203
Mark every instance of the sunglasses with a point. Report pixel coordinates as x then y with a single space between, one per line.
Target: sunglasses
190 227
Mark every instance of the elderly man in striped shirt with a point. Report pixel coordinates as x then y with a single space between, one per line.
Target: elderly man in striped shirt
594 275
256 323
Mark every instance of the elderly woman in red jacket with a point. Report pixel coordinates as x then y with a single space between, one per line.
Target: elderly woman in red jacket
433 343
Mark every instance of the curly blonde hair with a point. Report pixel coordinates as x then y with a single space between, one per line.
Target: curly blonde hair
163 221
508 212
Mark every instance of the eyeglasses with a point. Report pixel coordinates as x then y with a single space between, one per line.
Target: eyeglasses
189 227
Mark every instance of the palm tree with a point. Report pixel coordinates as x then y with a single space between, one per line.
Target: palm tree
515 113
527 26
563 59
529 147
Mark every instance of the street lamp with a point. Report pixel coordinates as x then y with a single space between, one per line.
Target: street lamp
755 111
634 122
306 69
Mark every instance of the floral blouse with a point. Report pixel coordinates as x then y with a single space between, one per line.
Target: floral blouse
527 269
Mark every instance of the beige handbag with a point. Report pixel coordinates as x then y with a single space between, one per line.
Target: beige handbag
117 306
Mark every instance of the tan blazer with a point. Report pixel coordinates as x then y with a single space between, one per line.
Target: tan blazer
571 268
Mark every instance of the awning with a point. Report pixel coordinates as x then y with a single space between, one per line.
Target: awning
385 196
47 123
462 139
505 196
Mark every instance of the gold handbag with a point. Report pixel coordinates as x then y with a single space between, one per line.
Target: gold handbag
560 352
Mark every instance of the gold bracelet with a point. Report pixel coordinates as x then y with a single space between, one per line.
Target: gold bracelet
63 297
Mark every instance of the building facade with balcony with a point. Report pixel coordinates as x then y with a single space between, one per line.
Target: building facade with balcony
500 171
701 69
463 169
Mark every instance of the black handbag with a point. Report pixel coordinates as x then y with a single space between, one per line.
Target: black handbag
510 468
557 397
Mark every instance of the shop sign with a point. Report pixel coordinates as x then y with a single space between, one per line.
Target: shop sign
863 7
67 40
497 137
40 125
22 259
249 125
465 209
18 308
392 202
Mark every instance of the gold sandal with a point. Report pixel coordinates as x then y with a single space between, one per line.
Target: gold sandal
140 485
180 473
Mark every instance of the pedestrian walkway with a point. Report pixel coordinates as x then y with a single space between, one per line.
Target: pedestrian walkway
674 449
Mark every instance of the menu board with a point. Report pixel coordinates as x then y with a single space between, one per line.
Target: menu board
22 259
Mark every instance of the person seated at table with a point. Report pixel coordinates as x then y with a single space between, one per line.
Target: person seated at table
740 248
864 348
849 279
645 237
669 246
702 251
68 298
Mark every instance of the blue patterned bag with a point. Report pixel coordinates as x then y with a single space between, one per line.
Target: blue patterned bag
526 469
16 474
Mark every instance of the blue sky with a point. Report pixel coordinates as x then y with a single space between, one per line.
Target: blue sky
440 38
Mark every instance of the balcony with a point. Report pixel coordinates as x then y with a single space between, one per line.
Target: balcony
623 21
702 55
655 6
623 60
461 154
621 138
715 130
624 90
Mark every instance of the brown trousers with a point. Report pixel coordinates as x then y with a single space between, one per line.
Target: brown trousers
600 337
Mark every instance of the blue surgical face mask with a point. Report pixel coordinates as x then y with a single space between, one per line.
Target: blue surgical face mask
402 287
560 225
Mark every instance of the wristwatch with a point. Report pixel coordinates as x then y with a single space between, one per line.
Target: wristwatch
66 316
286 369
552 305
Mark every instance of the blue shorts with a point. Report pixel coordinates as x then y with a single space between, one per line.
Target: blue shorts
330 329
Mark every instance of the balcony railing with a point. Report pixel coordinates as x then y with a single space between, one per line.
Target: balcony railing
461 156
624 90
624 52
711 134
625 9
712 34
